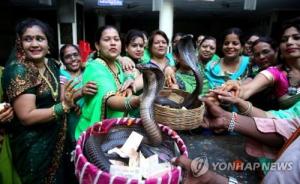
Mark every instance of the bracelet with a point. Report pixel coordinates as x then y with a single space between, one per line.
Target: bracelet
248 110
232 180
127 104
232 122
53 112
58 110
66 108
129 76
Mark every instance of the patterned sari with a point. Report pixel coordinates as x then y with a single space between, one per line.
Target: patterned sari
108 83
37 149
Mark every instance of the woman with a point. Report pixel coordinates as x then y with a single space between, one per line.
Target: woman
284 78
232 65
207 50
31 84
104 69
158 47
247 51
134 45
71 58
265 52
185 79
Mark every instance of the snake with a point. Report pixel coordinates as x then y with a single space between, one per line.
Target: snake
153 81
187 52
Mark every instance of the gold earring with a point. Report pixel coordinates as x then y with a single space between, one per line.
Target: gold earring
98 53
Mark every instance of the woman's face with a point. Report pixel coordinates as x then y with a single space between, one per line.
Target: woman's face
290 43
159 46
135 49
35 43
109 44
232 46
264 55
72 59
248 45
207 49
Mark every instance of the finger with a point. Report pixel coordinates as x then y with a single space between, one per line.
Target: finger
208 104
205 123
182 161
68 83
173 79
222 93
227 99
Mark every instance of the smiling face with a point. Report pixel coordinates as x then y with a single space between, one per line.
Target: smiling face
135 48
232 46
72 59
264 55
207 49
290 43
34 43
248 45
159 46
109 44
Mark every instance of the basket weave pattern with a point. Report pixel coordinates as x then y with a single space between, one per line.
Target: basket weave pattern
178 119
88 173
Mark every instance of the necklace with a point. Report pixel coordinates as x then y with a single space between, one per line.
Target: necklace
115 75
54 93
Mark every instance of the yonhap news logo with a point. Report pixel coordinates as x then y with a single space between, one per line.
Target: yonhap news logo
201 164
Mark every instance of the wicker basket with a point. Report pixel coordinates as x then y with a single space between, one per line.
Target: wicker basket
178 119
88 173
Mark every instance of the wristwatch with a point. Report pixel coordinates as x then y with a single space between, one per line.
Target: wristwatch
232 180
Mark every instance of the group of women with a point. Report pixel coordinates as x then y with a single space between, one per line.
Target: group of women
49 105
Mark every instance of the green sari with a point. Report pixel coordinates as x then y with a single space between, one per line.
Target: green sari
94 108
37 149
186 81
8 174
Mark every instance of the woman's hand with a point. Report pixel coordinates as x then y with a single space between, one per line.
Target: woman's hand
127 63
197 173
169 76
215 117
128 84
89 88
69 94
6 114
232 86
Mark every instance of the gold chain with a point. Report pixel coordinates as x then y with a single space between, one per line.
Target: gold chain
54 93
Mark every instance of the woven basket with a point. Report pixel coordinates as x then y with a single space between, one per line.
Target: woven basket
88 173
178 119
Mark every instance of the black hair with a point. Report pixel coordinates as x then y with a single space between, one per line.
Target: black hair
100 30
266 39
63 48
208 38
30 22
132 35
234 30
295 22
177 34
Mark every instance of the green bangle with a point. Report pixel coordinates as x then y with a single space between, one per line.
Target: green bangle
129 76
127 104
58 109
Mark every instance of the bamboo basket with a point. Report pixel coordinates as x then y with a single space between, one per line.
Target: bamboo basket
178 119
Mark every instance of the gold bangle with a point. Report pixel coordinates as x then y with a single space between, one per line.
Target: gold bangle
248 110
65 107
54 115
